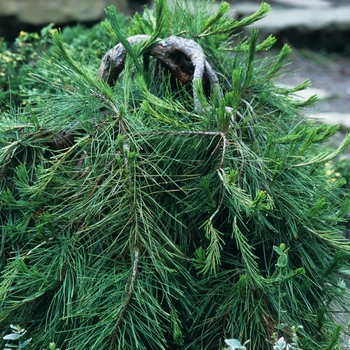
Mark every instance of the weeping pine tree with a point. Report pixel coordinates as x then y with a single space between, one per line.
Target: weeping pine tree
172 198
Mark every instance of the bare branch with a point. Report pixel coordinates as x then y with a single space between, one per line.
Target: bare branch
184 58
113 61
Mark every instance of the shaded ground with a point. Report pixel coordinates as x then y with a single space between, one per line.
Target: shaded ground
327 71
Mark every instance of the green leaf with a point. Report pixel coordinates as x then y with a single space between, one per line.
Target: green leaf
282 260
278 250
13 336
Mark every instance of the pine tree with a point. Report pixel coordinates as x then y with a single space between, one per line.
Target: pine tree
175 198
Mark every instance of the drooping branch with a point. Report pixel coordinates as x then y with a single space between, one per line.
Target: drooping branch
127 297
184 58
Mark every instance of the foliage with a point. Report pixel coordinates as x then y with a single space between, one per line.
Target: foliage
279 343
22 58
14 339
235 344
131 219
15 65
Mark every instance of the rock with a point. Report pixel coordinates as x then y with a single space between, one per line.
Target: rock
32 15
307 93
245 8
303 3
316 28
308 19
341 119
40 12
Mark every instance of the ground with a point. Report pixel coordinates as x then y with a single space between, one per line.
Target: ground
335 3
327 71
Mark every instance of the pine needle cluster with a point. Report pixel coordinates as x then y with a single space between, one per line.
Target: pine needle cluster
146 212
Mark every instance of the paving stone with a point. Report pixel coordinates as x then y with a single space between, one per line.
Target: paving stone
59 11
304 3
305 19
307 93
314 28
245 8
321 94
341 119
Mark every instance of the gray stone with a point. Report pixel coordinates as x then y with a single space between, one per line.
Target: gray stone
304 3
39 12
317 28
245 8
341 119
308 19
311 91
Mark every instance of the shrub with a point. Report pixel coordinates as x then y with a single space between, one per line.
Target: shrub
177 199
22 59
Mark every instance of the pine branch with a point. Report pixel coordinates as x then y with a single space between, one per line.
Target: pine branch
113 197
128 296
326 156
229 26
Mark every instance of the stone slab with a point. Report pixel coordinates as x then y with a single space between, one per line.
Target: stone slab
38 12
244 8
312 28
305 19
309 92
248 7
341 119
304 3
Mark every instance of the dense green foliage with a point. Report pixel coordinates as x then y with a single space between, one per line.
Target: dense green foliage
21 59
15 64
132 220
